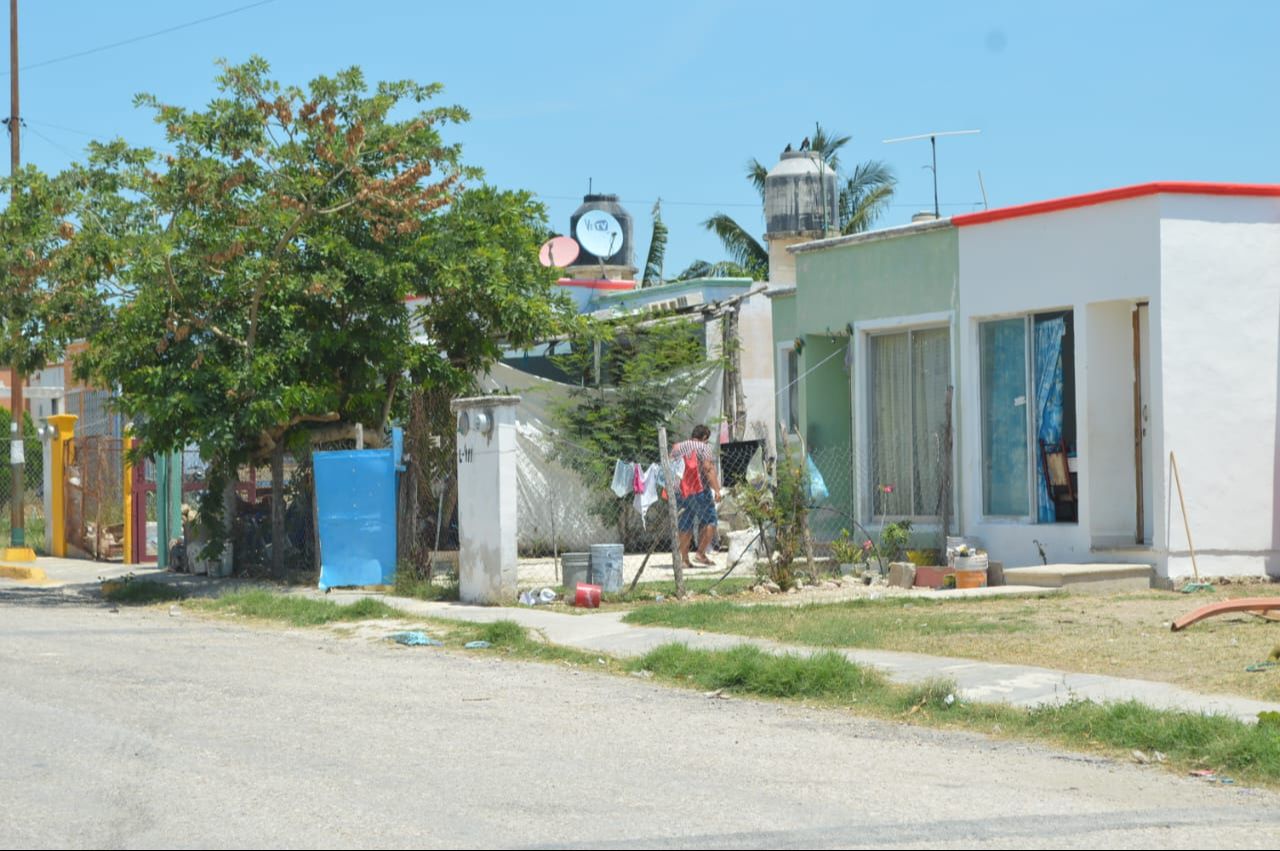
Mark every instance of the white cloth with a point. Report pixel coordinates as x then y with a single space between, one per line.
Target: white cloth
649 495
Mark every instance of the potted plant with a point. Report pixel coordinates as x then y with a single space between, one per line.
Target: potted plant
846 553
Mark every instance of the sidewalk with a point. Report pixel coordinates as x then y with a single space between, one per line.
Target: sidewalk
604 632
1017 685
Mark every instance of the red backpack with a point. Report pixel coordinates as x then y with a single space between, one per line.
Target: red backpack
691 481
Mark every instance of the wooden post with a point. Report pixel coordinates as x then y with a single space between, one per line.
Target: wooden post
676 562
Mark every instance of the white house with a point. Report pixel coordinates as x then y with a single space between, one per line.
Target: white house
1163 301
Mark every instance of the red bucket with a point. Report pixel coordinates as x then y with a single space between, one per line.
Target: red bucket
588 596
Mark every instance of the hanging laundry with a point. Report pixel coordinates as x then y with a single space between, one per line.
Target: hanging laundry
623 479
648 494
638 482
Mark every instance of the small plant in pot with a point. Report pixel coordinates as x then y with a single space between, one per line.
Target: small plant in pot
848 555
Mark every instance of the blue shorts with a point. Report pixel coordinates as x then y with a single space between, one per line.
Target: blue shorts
698 510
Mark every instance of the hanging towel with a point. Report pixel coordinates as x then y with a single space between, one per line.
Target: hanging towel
648 493
637 484
623 479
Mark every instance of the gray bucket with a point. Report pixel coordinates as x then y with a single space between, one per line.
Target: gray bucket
606 566
575 567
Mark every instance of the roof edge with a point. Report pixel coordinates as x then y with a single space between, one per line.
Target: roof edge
872 235
1089 199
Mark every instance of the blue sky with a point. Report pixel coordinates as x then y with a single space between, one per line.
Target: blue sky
669 99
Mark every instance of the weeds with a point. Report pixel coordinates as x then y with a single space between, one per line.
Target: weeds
131 591
297 611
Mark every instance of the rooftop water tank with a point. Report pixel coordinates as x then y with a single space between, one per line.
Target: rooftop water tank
800 196
607 237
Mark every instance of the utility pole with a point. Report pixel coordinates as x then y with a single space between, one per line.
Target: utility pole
17 517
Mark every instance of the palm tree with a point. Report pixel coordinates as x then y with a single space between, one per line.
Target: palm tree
863 198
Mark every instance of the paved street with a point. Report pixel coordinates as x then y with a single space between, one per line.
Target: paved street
142 728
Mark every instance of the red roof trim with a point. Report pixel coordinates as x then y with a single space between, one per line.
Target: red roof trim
597 285
1089 199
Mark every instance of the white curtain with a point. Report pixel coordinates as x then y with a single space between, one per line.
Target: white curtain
891 432
931 373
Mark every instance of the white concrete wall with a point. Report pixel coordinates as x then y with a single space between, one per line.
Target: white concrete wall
1068 259
487 509
1220 321
755 327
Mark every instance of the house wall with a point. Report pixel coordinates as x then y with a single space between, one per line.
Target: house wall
872 284
1099 261
755 328
1221 319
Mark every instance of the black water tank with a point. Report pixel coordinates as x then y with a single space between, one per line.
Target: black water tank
623 253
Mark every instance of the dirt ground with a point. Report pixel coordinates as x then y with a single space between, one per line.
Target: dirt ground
1125 635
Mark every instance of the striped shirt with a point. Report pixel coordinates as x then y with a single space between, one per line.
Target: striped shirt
701 450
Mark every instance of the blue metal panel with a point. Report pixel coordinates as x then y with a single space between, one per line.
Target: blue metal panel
356 497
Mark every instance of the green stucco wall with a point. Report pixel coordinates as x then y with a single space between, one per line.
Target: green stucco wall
898 277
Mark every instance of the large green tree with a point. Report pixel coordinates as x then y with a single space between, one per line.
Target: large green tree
47 297
864 196
263 263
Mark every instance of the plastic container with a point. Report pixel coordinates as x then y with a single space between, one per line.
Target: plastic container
740 544
606 566
587 596
971 571
575 568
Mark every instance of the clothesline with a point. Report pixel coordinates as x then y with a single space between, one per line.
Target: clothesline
796 380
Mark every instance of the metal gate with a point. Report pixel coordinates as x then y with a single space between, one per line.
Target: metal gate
94 494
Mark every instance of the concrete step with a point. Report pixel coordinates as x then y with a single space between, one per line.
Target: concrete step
1084 578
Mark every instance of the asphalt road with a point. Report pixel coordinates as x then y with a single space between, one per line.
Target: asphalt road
142 729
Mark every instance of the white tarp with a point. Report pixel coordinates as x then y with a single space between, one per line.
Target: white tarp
552 499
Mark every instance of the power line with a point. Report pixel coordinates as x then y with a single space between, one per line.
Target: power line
139 38
57 145
665 202
64 129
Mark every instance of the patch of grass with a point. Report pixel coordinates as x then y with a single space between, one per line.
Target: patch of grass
750 670
852 623
645 591
130 591
420 589
1249 752
514 640
297 611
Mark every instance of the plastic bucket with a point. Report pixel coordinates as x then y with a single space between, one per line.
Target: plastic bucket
587 596
971 572
606 566
575 567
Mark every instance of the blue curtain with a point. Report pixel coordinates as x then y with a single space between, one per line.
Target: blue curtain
1048 377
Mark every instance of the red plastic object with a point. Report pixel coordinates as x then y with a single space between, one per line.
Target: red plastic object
1260 605
588 596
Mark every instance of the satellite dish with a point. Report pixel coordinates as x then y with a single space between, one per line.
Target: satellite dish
599 233
558 251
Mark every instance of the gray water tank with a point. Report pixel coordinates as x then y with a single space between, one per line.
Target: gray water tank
794 195
624 254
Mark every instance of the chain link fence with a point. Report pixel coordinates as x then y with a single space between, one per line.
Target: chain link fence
33 486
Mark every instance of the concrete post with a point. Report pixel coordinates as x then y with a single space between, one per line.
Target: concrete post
56 524
487 568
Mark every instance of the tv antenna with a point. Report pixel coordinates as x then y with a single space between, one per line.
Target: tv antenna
933 143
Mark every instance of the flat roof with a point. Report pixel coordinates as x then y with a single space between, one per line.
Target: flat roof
1171 187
